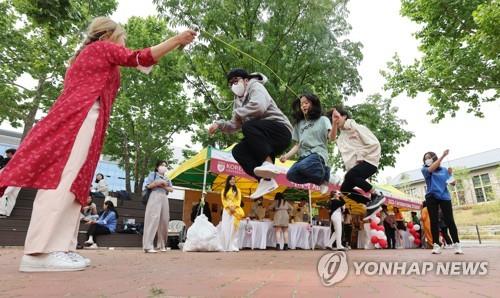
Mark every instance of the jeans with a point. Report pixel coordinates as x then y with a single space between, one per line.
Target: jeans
309 169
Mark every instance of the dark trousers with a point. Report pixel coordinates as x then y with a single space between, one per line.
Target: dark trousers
433 206
347 234
97 195
390 232
309 169
261 138
357 177
446 236
97 229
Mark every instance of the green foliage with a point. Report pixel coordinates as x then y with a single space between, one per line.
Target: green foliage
304 42
460 41
37 38
149 108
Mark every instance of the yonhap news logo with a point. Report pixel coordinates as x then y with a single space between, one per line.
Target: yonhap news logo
334 267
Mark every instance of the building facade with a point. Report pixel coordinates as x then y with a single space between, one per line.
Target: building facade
477 179
113 173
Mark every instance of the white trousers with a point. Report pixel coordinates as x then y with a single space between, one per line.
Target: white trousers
228 233
8 200
337 225
55 218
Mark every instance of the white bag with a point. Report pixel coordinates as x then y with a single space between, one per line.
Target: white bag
202 236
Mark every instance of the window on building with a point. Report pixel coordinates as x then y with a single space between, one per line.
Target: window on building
458 192
482 187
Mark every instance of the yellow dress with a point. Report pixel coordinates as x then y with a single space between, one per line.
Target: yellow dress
232 199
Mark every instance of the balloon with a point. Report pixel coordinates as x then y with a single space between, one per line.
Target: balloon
411 238
385 237
373 225
380 234
416 227
383 243
410 225
417 235
376 220
417 241
377 245
381 228
374 239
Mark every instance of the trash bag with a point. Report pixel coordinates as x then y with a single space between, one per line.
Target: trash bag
202 236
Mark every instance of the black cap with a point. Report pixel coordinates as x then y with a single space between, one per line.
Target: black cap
237 72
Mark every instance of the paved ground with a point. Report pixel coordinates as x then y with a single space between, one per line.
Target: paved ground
131 273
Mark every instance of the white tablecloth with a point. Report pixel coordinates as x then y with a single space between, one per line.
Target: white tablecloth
261 234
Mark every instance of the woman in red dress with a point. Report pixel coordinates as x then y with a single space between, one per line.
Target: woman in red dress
60 154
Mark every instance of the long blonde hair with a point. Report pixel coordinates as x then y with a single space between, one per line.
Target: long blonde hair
101 28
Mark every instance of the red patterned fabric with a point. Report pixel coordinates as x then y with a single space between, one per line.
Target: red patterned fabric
41 157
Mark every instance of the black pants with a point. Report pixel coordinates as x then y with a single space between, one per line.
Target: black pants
261 138
347 234
433 206
97 229
98 195
390 232
357 177
446 236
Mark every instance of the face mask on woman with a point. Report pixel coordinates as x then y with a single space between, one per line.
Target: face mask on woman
238 89
162 170
428 162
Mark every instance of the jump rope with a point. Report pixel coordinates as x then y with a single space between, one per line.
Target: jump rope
219 103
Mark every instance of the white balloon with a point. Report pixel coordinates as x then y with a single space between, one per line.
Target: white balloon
416 227
385 237
411 238
377 245
373 233
380 234
376 220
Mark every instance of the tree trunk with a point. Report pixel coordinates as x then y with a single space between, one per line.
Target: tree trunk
126 164
30 118
137 186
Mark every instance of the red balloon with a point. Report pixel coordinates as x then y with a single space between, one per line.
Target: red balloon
417 235
374 239
373 225
381 228
410 225
416 241
383 243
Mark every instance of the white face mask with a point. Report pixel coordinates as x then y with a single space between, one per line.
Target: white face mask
428 162
162 169
238 89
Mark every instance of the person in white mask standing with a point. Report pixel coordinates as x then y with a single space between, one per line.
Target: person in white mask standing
157 210
267 132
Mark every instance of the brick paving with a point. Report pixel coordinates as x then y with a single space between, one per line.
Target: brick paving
131 273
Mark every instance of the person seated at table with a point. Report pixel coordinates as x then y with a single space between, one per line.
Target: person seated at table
258 211
301 211
281 218
195 211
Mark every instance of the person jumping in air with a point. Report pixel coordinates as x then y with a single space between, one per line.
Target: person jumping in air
360 151
310 134
266 130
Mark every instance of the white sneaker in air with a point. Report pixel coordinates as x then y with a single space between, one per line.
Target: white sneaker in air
266 170
265 186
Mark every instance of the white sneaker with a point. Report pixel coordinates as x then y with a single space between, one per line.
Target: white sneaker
323 188
93 246
266 170
54 261
78 257
265 187
163 249
88 242
152 251
436 249
458 248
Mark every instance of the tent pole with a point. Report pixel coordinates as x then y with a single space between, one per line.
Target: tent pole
203 190
310 219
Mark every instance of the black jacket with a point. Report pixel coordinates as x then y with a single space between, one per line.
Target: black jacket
206 211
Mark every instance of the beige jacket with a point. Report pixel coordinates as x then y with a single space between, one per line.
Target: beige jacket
357 143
